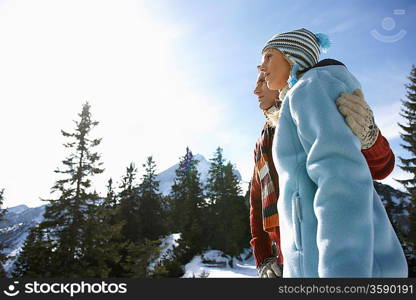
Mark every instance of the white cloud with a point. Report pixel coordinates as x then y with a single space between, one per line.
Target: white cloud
344 26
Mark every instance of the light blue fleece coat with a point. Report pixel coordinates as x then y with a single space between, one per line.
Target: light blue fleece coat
332 221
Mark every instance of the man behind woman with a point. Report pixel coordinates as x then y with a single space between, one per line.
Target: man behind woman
317 211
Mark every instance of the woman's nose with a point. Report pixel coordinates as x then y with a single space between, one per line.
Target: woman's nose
262 68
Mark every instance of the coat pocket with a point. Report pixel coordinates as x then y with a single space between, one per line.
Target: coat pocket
297 219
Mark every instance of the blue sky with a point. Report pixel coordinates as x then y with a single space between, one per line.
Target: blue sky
163 75
222 47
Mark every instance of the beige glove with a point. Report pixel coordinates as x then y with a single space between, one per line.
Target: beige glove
269 268
359 117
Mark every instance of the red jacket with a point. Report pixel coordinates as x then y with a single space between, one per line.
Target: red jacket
379 157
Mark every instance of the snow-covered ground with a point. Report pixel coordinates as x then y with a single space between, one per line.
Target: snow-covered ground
167 247
241 269
211 263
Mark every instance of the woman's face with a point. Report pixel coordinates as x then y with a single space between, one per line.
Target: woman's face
276 69
265 96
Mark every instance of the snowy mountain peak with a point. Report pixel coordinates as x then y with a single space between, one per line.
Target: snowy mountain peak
166 178
17 209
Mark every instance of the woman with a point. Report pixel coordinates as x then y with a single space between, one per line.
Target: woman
264 191
332 222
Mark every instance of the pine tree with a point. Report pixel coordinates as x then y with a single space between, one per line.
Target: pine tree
409 166
248 235
216 178
143 217
129 205
215 192
187 203
128 215
111 198
247 196
35 259
150 212
68 217
110 216
139 256
139 213
73 241
227 209
239 213
3 257
102 243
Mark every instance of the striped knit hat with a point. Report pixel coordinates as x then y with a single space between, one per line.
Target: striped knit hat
301 47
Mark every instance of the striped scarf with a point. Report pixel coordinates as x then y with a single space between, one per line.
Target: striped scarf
264 160
268 182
